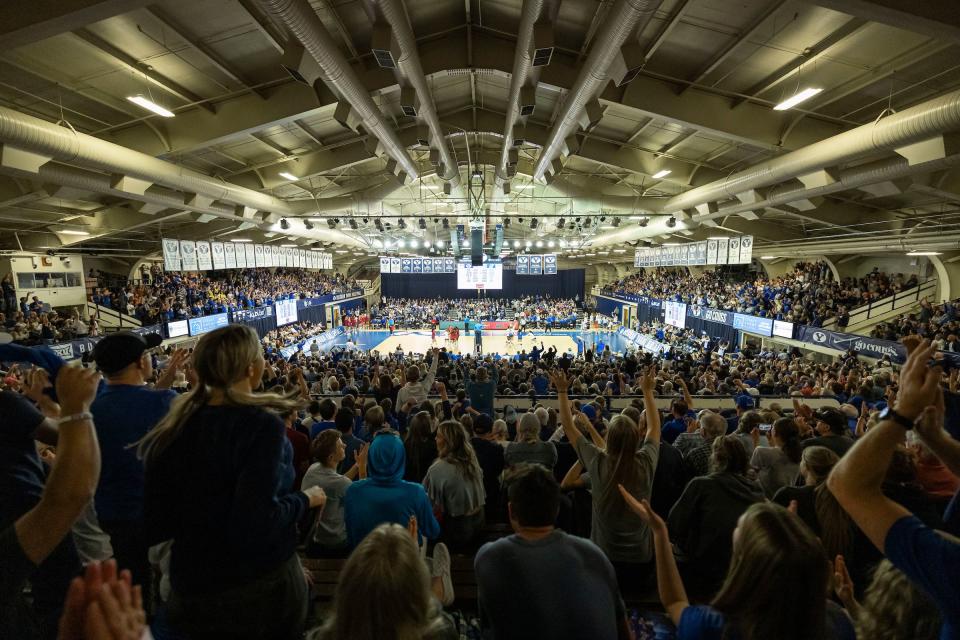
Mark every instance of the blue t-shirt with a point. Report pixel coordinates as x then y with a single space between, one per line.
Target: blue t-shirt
701 622
932 562
122 415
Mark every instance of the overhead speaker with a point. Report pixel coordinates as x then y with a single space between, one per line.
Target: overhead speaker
476 247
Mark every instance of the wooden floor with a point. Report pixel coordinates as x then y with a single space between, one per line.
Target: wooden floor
493 342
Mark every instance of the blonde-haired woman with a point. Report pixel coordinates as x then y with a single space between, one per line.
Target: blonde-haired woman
386 570
213 468
454 483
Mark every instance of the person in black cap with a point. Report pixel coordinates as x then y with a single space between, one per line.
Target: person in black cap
831 425
124 411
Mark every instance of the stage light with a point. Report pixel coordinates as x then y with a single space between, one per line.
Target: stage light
353 223
423 223
400 244
533 223
528 244
284 224
426 243
446 223
561 224
616 221
539 244
551 244
671 222
307 225
516 244
332 223
440 243
563 243
401 223
644 222
414 244
378 224
506 222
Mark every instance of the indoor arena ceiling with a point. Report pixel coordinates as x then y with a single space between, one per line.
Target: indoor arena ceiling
289 124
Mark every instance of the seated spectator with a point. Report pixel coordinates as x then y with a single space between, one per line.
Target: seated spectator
227 439
697 459
384 496
779 465
384 593
777 585
454 483
703 520
328 536
529 448
542 582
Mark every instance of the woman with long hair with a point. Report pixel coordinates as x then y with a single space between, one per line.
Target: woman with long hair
529 448
776 585
419 443
454 483
815 465
386 569
213 468
625 460
777 465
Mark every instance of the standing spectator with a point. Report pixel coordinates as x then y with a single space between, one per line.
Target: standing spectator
482 389
779 465
529 448
225 440
542 582
621 535
454 483
833 431
124 412
490 456
9 294
420 446
416 390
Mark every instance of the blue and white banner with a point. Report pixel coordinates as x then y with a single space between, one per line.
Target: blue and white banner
449 265
523 265
870 347
218 257
208 323
323 339
753 324
428 265
384 264
230 255
253 314
643 342
395 265
550 264
188 255
171 254
406 265
710 315
204 261
536 265
675 313
417 265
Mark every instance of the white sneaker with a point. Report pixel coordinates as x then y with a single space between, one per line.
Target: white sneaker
441 569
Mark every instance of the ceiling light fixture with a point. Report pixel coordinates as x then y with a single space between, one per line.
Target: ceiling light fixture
73 232
289 176
240 240
767 257
307 225
516 244
924 253
797 98
539 244
672 222
663 173
284 224
150 105
353 223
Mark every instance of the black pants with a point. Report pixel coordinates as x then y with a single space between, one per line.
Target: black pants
128 539
271 607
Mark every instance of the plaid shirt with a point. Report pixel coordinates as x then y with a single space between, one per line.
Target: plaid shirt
697 460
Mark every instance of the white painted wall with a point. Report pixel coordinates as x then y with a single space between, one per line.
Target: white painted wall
906 265
55 296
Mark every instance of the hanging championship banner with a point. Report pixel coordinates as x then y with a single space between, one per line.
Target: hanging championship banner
417 265
217 255
428 265
746 249
171 254
523 265
384 264
241 255
536 265
723 246
550 264
230 255
204 261
188 255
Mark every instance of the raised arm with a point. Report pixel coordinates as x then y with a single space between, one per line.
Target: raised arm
931 432
686 392
432 374
75 473
857 479
648 384
561 383
177 359
572 479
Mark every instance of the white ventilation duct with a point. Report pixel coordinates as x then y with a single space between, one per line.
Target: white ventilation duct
409 65
303 22
622 20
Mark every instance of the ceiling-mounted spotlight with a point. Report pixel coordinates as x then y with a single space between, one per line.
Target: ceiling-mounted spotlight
561 224
577 219
672 222
353 223
616 221
520 220
402 223
378 223
506 222
644 222
533 223
603 218
446 223
284 224
332 223
316 245
422 223
307 225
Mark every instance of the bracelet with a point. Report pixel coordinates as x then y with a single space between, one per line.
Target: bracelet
77 417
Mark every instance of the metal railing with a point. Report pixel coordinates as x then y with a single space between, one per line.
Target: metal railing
111 318
897 302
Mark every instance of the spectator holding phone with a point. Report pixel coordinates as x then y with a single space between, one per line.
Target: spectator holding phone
779 465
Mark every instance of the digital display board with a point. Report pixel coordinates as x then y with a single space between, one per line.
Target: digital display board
208 323
489 276
286 311
753 324
177 328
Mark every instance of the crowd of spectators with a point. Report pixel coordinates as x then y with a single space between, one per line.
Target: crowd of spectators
938 323
781 521
417 313
164 296
808 295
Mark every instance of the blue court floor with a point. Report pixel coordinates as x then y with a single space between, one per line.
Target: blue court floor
493 341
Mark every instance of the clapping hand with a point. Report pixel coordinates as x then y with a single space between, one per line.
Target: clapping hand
560 380
35 382
843 586
76 389
919 382
648 382
103 606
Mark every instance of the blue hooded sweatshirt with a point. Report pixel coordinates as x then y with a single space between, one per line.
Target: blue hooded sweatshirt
385 497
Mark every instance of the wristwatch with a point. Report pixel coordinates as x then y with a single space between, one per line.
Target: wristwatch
888 413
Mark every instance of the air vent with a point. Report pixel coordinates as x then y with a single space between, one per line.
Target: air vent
519 137
627 64
384 46
528 100
409 104
423 136
542 44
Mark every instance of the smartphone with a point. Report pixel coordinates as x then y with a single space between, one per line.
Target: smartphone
765 428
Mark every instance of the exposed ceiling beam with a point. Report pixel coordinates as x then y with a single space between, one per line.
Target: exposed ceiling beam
743 38
24 23
203 50
135 66
822 49
270 32
667 28
935 18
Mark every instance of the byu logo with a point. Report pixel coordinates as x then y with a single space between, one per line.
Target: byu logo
819 336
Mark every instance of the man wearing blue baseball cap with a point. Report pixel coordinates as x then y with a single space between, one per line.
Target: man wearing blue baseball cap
744 403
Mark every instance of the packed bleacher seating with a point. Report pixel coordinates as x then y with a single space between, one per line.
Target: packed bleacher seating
766 521
808 295
936 322
175 295
417 313
31 321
